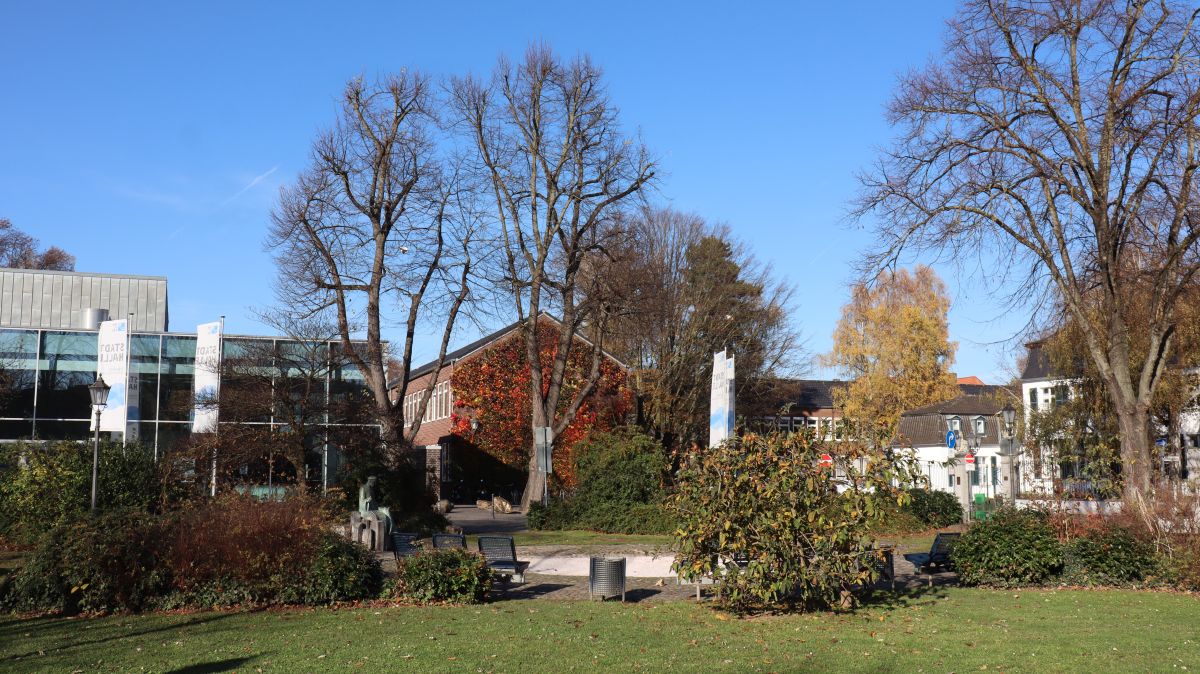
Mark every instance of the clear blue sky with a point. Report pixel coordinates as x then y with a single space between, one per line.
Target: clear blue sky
152 138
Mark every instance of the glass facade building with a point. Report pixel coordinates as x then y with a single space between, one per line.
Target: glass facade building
46 373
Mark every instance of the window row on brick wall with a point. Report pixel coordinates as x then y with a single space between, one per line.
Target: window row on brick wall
440 404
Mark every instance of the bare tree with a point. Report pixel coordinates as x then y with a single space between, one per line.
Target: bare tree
1061 134
19 250
380 222
693 290
550 147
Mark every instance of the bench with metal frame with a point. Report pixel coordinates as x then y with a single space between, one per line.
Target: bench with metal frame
938 557
404 544
449 542
500 553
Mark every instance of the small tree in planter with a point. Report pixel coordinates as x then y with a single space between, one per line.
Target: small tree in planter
786 528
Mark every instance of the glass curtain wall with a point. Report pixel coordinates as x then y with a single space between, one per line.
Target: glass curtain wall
45 374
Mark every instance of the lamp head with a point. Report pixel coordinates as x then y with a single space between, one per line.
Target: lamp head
1009 414
99 392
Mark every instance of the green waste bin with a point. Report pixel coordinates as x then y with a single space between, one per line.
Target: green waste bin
980 514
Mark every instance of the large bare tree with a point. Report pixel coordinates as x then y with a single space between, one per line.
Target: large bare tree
692 290
550 146
1062 134
378 233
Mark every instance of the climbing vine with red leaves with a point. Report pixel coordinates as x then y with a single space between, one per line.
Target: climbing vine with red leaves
493 386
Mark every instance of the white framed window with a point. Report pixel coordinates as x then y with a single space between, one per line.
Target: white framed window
440 405
980 426
955 424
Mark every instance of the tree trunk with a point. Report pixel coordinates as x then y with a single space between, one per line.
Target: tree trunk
1134 425
535 482
396 449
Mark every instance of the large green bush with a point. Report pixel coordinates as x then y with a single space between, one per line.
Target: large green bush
1109 555
112 561
435 576
936 509
233 550
799 530
1011 548
621 475
44 483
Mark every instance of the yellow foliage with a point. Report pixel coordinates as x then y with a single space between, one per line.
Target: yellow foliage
893 343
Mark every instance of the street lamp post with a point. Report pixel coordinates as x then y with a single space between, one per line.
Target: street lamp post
1008 453
99 392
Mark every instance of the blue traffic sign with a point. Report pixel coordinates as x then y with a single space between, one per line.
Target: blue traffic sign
951 439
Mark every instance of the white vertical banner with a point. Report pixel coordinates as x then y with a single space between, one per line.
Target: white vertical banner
112 363
721 411
207 377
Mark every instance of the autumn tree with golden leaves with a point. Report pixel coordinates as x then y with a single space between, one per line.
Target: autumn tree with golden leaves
893 344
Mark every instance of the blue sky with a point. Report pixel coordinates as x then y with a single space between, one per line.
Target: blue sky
153 138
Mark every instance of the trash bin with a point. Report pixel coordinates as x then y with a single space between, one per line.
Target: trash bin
606 577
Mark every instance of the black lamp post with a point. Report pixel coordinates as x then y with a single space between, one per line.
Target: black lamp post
1010 417
99 392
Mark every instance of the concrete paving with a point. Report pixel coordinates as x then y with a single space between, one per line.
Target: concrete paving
636 566
472 520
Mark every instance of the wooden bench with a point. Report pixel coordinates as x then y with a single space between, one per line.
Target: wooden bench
501 555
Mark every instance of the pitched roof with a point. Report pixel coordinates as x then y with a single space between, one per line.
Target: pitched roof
800 396
925 430
970 402
484 342
971 380
927 425
1037 363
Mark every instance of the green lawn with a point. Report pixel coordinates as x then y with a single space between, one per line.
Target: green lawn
957 630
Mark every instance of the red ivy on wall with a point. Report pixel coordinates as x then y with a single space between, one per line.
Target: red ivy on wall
494 386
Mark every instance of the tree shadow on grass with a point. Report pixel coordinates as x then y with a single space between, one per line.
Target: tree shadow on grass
528 591
641 594
903 596
226 665
62 629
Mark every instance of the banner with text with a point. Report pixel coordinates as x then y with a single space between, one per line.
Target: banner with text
112 363
721 412
208 377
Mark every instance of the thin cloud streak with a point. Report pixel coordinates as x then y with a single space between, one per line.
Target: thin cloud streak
257 179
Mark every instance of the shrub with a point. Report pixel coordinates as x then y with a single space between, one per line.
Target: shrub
233 550
341 571
1109 555
108 562
627 518
1012 547
43 483
897 519
554 516
454 576
767 501
249 547
620 488
936 509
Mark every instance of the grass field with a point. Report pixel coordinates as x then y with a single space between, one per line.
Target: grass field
944 630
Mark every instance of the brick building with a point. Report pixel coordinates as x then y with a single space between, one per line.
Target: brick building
459 470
